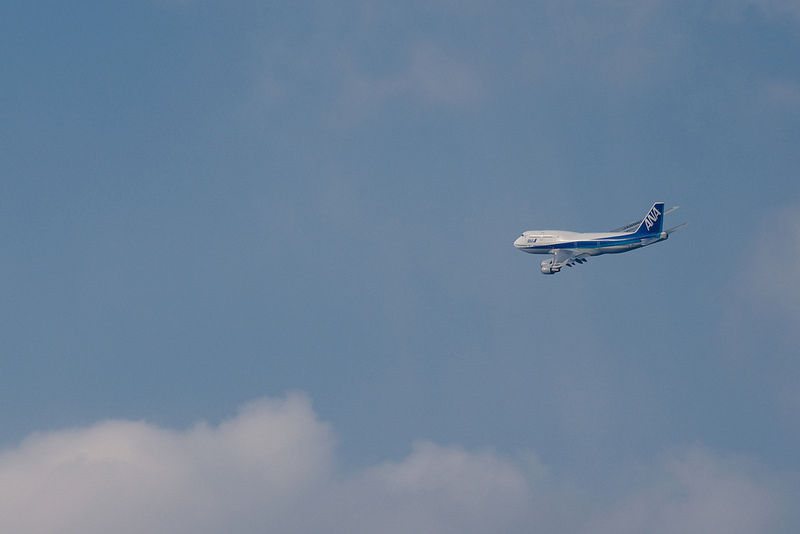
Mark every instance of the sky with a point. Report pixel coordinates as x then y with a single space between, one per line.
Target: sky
258 276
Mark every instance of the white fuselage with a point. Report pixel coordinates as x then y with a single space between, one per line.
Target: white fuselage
593 244
571 248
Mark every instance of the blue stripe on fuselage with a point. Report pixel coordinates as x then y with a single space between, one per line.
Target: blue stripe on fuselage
593 244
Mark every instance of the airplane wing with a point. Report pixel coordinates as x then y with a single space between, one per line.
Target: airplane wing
635 224
568 257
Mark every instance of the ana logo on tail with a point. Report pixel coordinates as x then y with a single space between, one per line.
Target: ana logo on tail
652 218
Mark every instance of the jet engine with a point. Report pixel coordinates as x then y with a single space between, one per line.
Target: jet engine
547 267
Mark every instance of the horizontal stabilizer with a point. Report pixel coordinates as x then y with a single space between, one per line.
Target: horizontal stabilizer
676 228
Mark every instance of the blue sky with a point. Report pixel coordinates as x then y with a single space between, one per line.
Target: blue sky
260 255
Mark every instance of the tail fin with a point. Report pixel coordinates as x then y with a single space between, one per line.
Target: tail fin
653 222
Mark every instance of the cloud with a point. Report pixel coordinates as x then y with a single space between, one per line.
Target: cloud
777 9
735 11
439 489
696 491
783 94
779 240
123 476
766 288
760 326
436 77
271 468
429 77
624 45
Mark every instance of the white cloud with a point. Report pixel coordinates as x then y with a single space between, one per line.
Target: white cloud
122 476
271 469
439 489
697 491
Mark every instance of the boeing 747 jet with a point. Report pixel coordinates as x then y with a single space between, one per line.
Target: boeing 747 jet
569 248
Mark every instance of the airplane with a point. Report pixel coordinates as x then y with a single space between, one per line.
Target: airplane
570 248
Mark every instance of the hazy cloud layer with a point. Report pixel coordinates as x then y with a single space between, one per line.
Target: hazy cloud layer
428 77
697 491
777 8
778 245
271 469
766 289
759 333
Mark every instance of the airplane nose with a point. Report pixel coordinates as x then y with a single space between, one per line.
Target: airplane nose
518 243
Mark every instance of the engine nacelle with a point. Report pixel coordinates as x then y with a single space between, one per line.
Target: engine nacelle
547 267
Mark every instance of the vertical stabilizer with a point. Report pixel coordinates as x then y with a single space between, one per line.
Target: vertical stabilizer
653 222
